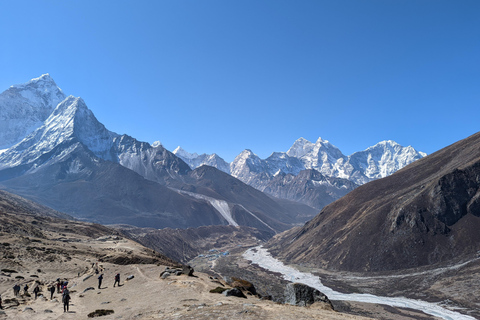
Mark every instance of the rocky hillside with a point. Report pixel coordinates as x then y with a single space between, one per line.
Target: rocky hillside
426 213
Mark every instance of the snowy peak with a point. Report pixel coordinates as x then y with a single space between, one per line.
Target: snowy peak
383 159
179 152
24 107
194 160
70 122
315 155
300 148
73 118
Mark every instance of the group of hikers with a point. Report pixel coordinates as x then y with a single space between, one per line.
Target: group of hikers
61 288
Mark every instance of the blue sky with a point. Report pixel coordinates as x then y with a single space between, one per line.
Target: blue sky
222 76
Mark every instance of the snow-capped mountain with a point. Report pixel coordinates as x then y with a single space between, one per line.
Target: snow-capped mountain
276 174
153 162
71 121
24 107
194 160
378 161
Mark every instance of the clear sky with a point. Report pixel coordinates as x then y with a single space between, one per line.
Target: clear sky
222 76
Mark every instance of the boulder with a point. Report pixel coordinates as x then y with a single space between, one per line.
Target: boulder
235 292
165 275
300 294
243 285
187 270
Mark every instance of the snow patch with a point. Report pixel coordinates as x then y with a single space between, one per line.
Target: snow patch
220 205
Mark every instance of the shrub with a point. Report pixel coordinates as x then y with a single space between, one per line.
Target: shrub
218 290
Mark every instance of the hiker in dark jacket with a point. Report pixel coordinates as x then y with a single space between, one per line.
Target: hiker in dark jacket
16 290
66 300
36 290
52 291
100 278
25 289
117 280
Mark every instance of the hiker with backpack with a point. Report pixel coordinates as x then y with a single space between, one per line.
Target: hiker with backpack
16 290
66 300
117 280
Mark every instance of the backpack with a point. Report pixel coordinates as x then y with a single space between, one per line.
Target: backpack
66 298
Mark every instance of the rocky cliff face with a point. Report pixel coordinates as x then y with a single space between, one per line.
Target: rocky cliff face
426 213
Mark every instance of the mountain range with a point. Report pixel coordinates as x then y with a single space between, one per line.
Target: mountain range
315 174
57 153
72 163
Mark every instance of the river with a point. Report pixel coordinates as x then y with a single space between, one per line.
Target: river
260 256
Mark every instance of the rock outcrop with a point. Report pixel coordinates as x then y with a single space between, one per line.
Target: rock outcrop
300 294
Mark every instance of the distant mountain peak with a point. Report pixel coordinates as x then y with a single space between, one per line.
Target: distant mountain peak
180 152
300 147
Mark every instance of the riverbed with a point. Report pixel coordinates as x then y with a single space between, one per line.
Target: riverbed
260 256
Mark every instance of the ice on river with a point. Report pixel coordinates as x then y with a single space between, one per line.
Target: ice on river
264 259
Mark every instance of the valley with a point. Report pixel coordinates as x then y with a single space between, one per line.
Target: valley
386 233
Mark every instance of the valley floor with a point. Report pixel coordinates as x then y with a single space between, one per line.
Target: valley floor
451 287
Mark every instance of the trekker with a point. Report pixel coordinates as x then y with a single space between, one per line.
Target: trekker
117 280
66 300
36 291
25 289
16 290
58 285
100 278
52 291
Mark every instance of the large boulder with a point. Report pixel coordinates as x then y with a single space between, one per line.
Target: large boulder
300 294
234 292
243 285
188 271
